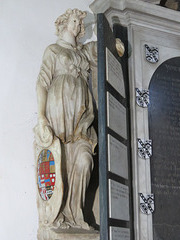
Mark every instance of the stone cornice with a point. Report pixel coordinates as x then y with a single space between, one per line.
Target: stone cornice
139 12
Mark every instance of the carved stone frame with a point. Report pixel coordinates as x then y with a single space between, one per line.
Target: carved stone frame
157 26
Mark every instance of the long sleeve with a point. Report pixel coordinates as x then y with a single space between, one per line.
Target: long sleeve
43 133
90 49
45 76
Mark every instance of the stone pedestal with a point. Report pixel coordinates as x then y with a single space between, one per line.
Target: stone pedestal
71 234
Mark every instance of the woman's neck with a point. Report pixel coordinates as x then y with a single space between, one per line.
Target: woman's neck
68 37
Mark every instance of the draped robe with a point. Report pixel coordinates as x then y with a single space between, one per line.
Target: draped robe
69 110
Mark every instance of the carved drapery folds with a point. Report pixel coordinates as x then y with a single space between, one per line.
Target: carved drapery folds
65 137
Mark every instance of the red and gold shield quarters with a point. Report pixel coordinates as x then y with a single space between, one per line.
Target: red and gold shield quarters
46 174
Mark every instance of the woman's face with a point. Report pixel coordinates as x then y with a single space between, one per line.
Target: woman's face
74 25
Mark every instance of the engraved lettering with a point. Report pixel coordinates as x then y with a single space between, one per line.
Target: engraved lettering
164 122
114 73
172 68
117 233
117 157
119 200
116 116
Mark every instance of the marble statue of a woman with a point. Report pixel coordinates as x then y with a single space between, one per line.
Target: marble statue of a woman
65 111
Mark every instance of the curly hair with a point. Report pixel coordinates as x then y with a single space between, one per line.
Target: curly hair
62 21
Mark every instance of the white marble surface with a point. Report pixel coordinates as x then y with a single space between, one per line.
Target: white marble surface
117 157
65 113
118 233
79 234
141 73
116 116
114 73
157 26
138 10
118 200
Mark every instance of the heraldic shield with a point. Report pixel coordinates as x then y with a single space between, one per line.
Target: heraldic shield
152 54
146 203
49 182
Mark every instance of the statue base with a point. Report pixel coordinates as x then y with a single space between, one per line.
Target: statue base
70 234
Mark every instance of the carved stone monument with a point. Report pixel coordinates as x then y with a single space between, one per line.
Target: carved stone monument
65 138
153 63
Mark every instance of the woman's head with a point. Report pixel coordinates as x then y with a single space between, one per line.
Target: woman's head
71 17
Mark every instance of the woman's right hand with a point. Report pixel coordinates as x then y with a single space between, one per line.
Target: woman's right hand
43 132
42 121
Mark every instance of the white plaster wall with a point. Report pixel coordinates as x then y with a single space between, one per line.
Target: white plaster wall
26 29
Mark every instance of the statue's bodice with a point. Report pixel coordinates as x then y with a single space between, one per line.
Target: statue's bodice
71 61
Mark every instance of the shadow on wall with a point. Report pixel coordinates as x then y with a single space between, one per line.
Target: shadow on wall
89 23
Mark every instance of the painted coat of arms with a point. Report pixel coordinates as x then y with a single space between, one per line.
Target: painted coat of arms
46 174
152 54
146 203
142 97
144 148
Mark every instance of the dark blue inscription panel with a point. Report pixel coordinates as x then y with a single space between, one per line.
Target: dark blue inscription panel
164 122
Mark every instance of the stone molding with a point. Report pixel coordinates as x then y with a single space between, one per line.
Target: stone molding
140 13
157 26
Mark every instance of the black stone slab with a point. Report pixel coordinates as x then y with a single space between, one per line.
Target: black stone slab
106 39
164 122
